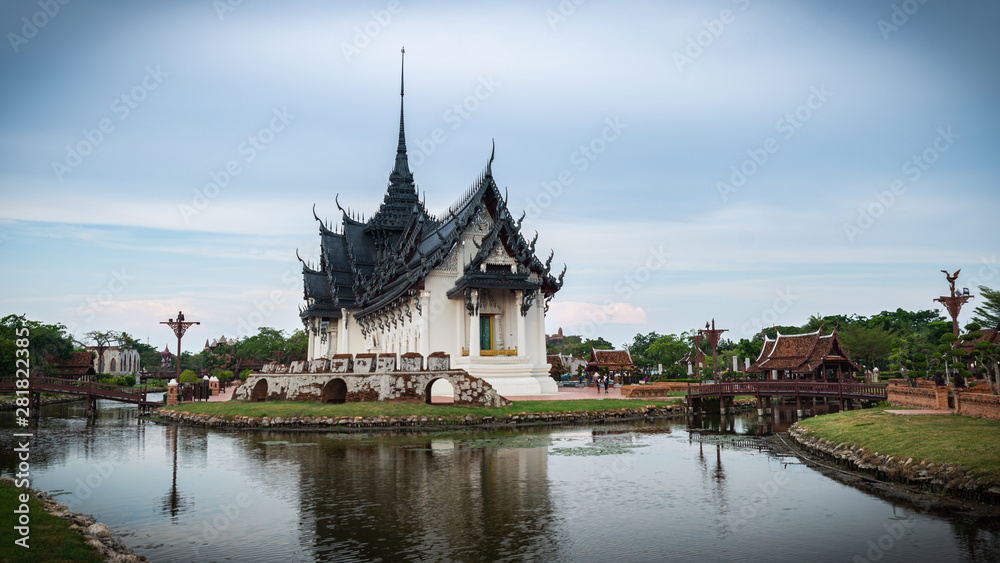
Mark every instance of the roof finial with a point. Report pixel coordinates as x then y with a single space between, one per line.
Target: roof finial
401 170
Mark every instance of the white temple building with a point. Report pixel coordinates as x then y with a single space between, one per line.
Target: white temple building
465 282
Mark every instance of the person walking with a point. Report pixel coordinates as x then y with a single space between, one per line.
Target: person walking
597 383
606 378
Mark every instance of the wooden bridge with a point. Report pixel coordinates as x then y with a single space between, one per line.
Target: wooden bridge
88 389
764 391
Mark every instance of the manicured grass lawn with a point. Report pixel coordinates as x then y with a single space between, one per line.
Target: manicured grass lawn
287 408
50 538
973 443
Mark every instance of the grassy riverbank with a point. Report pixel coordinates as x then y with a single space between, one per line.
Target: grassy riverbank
973 443
50 538
285 409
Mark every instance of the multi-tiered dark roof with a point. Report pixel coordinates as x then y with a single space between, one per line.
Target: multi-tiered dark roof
370 266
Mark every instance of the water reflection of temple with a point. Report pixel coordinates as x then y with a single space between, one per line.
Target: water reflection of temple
434 498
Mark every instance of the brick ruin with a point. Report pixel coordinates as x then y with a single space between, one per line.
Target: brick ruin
347 378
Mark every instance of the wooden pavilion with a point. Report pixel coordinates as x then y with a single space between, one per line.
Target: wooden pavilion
805 356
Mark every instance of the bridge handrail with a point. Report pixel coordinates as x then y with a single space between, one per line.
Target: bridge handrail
834 388
57 384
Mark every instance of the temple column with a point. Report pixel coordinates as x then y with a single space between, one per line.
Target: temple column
522 338
343 346
540 311
311 340
474 326
425 323
460 328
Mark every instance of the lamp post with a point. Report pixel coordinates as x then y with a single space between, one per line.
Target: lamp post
179 327
954 302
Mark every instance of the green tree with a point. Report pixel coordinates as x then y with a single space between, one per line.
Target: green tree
869 346
640 344
986 355
47 344
667 350
988 314
188 376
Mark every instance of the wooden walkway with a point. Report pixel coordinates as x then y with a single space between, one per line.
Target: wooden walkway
90 390
763 391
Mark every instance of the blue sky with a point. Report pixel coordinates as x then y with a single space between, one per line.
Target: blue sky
753 162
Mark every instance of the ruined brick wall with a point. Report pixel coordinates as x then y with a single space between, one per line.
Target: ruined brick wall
910 397
657 389
977 405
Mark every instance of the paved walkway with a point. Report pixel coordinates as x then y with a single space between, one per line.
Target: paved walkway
921 411
224 395
571 393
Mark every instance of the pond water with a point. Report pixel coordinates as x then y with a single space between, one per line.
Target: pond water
679 490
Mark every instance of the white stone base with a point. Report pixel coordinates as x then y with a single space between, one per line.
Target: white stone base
510 375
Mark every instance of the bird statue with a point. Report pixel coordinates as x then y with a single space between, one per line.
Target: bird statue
951 279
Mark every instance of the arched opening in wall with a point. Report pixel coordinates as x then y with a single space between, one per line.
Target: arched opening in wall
259 393
335 391
114 366
440 392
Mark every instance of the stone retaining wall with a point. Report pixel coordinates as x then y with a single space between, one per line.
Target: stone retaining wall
325 423
947 478
397 386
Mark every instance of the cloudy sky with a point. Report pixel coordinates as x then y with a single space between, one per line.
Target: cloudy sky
751 161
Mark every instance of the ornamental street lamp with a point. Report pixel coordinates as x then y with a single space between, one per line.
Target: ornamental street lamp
954 302
179 327
713 339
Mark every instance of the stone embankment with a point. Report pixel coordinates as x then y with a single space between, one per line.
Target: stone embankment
95 534
944 478
418 421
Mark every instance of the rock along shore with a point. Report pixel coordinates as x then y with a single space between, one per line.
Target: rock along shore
95 534
944 478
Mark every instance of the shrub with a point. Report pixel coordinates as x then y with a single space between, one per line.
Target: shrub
188 376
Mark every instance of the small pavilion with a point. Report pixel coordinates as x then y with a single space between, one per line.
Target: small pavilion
616 362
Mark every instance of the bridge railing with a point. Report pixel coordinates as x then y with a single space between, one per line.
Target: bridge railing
792 387
71 387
